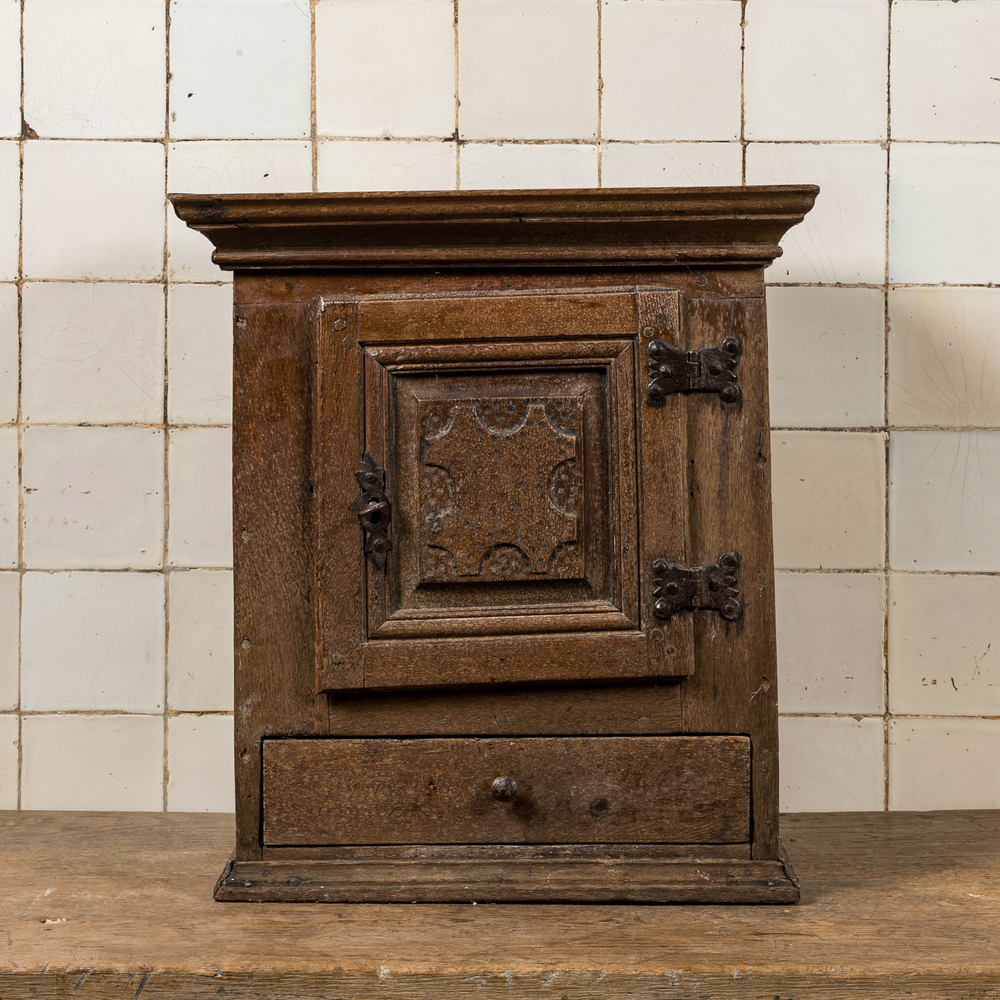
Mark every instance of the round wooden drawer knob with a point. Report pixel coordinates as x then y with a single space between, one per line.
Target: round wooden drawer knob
504 789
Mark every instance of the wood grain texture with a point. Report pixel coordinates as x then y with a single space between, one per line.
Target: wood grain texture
893 905
273 499
735 684
561 790
536 711
500 228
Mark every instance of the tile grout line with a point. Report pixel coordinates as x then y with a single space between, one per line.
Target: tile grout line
314 144
456 135
600 98
886 711
743 104
165 776
20 423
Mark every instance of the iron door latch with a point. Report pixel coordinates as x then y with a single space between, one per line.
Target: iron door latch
698 588
712 369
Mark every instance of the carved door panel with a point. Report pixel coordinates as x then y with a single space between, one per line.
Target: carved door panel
510 486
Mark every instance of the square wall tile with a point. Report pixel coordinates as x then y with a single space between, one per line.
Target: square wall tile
816 69
226 168
829 499
831 765
944 213
830 642
95 69
93 497
488 165
671 164
944 70
93 210
10 209
386 68
386 166
10 614
92 352
944 357
670 70
200 649
200 763
92 642
843 238
527 69
8 497
944 764
8 761
8 353
826 349
200 354
92 762
10 68
941 635
944 500
201 497
240 70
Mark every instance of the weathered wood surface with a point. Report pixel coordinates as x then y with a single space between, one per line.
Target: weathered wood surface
119 905
561 790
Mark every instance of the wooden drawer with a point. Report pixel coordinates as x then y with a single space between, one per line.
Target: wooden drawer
614 789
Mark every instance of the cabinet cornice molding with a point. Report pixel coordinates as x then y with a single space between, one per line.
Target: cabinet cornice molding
631 227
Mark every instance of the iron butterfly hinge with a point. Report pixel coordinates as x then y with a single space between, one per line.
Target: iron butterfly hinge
698 588
712 369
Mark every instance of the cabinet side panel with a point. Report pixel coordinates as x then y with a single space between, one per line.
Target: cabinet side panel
734 686
272 501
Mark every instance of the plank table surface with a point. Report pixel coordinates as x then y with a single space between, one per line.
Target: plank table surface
120 905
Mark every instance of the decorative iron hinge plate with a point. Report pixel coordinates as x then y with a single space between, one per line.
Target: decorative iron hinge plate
699 588
712 369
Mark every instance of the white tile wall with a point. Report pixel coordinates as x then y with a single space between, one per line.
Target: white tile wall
10 171
240 70
92 762
8 761
671 164
10 584
200 649
93 497
944 500
670 70
91 352
200 762
92 641
826 348
10 63
201 497
8 352
95 69
387 165
843 238
93 210
944 70
816 70
386 69
944 357
200 354
489 165
115 335
527 69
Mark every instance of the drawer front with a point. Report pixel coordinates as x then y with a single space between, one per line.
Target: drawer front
614 789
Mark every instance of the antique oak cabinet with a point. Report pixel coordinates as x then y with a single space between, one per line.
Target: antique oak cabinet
503 564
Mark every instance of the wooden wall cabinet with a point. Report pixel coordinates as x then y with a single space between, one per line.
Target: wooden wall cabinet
503 563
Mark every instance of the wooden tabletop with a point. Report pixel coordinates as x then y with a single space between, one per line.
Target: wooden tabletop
120 905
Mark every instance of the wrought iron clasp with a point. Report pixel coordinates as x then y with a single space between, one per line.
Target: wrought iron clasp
698 588
712 369
374 510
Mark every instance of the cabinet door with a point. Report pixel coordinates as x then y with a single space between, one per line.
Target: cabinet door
493 489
